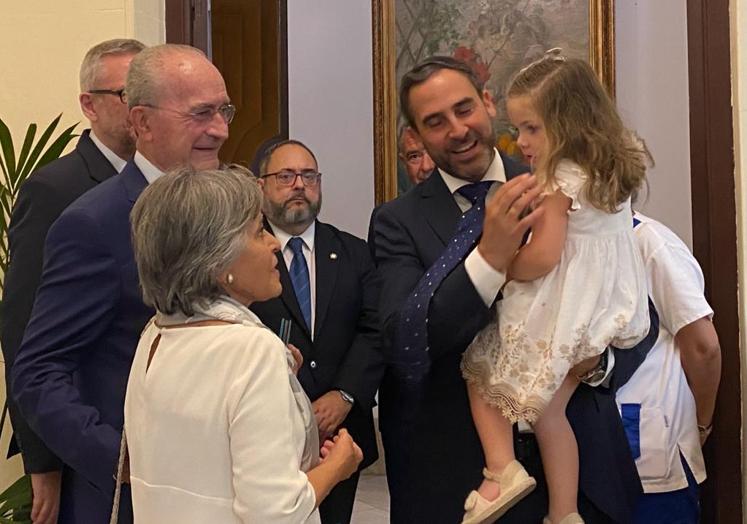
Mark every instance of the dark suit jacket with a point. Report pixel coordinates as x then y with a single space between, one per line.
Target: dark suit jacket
40 201
409 234
70 374
345 353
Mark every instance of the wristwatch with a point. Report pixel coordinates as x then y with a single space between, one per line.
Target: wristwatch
347 397
596 374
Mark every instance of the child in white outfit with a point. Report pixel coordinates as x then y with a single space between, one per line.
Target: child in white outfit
576 287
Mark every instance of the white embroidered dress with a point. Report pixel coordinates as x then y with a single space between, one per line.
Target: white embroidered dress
595 296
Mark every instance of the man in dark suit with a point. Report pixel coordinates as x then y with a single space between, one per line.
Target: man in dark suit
102 151
70 373
330 293
433 453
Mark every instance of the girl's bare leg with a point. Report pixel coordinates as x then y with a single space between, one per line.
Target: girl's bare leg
559 452
496 437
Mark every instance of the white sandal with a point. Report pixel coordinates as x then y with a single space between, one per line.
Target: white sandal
515 484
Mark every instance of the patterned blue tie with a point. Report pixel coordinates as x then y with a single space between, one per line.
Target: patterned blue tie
299 274
410 353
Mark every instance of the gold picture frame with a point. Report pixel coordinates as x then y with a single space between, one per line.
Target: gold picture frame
601 55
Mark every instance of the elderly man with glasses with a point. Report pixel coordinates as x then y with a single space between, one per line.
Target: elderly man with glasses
330 295
71 371
101 152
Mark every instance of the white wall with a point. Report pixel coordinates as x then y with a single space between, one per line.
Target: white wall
652 96
330 93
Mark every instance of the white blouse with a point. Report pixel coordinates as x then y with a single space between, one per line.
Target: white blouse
213 429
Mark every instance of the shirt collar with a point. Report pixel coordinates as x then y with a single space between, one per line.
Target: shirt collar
283 237
150 172
116 162
495 172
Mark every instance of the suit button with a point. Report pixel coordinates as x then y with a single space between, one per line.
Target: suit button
312 364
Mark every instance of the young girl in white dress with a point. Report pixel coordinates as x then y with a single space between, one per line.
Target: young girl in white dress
576 287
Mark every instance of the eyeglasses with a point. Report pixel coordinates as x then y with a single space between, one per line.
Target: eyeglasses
204 114
287 177
120 93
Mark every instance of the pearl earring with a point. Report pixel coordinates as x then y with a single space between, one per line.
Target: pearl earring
229 279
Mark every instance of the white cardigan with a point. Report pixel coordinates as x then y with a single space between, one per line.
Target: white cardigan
214 431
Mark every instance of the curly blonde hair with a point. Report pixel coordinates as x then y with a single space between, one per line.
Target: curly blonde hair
582 125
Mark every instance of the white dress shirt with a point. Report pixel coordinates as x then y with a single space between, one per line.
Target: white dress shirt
308 253
150 172
487 280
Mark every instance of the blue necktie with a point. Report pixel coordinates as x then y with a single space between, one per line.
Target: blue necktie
299 274
410 352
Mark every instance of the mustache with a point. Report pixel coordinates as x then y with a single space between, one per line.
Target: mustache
299 195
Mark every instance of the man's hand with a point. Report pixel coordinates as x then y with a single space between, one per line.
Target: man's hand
504 228
46 497
330 410
297 358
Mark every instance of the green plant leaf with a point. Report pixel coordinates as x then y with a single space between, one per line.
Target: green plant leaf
6 145
54 150
35 153
15 502
27 142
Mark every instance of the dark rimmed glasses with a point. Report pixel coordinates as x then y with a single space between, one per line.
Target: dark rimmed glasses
119 93
287 177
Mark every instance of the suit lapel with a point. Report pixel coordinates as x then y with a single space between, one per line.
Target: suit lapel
99 168
441 210
134 181
327 251
288 296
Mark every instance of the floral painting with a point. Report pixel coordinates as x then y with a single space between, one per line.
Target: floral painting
496 37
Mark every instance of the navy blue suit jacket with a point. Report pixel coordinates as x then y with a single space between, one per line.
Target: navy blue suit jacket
70 374
444 459
41 200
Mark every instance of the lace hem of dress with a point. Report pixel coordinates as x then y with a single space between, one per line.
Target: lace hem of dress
502 396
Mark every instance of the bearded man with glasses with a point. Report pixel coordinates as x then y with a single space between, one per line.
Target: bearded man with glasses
330 294
71 371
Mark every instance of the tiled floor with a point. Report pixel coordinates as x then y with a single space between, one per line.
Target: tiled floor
371 501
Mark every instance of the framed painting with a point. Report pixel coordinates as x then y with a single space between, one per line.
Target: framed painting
496 37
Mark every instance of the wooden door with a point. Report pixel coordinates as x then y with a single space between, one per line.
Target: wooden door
247 42
715 242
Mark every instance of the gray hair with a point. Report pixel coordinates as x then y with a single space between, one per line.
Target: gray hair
89 69
146 72
423 71
188 227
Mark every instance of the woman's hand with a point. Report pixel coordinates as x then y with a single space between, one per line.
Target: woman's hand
297 358
343 452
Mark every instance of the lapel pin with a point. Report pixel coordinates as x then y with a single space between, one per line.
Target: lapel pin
333 256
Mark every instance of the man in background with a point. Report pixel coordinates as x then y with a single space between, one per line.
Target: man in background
70 374
667 405
101 152
417 162
330 293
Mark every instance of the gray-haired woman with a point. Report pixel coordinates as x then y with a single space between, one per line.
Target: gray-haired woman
218 428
